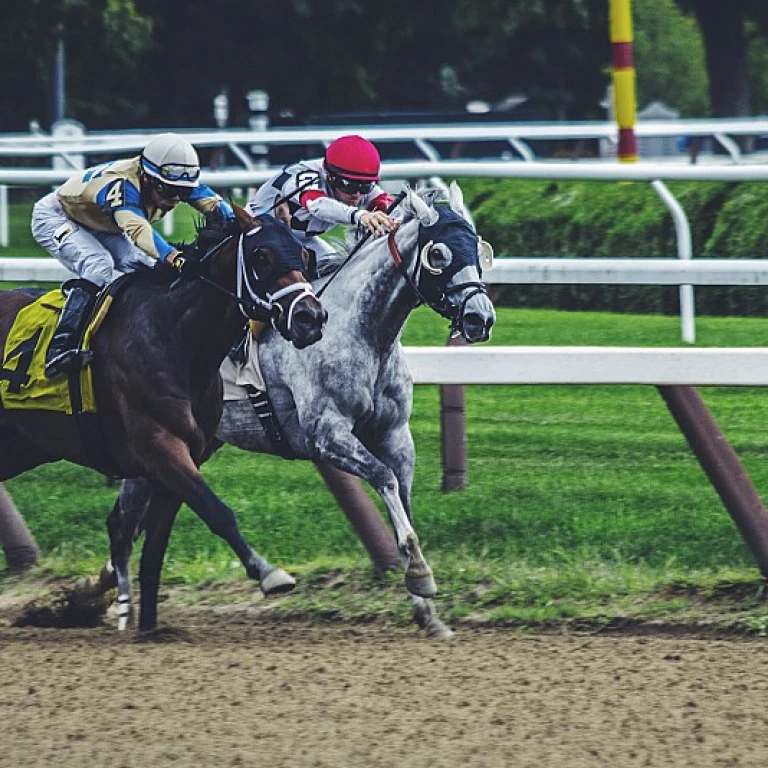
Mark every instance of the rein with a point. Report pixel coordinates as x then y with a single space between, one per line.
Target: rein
360 243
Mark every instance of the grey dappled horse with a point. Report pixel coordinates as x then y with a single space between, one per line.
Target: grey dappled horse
347 399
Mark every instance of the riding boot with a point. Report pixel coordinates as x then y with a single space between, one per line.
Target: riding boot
64 354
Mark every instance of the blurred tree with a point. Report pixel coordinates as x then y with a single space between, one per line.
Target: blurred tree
103 40
26 45
144 63
103 80
556 52
726 30
669 58
757 58
336 55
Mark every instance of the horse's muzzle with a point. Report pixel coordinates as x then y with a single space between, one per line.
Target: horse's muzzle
307 326
476 328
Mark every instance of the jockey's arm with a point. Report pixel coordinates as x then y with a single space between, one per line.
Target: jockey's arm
142 234
211 205
335 212
327 209
381 201
125 209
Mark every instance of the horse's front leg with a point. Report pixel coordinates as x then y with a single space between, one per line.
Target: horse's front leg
161 513
397 451
425 615
346 452
181 475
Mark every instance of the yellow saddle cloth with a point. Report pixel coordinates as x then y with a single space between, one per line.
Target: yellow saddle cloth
23 383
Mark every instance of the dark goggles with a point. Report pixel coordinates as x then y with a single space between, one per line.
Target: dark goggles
350 186
169 191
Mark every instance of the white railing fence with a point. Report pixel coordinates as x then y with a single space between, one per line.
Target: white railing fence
423 139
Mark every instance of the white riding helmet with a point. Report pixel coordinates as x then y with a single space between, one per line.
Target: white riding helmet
171 159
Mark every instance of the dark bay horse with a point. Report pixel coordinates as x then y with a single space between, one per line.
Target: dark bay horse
156 368
347 399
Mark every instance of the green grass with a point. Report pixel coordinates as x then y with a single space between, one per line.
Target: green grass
557 475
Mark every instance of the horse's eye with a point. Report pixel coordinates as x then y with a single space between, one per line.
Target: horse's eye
435 257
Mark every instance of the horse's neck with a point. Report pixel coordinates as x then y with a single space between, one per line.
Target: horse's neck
374 292
208 314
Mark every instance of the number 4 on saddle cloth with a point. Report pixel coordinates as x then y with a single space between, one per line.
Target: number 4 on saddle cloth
23 383
25 388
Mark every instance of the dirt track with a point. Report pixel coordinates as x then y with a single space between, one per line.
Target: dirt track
224 690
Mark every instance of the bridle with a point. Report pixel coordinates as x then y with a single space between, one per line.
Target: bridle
442 304
253 300
254 307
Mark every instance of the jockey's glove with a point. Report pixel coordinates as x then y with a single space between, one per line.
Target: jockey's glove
218 220
188 269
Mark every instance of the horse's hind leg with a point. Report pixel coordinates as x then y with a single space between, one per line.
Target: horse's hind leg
21 551
124 524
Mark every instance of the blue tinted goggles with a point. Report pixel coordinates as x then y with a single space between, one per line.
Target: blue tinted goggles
173 173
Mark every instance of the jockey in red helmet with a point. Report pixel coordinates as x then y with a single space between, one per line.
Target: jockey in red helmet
340 188
353 158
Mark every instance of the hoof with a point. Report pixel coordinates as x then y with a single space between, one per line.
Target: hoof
421 583
277 582
436 630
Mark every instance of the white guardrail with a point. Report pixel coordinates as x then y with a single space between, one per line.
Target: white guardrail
523 271
589 365
563 365
422 136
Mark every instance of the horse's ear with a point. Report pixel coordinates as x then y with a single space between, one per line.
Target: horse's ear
456 201
244 219
456 198
427 214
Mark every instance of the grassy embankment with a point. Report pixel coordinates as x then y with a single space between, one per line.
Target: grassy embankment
583 502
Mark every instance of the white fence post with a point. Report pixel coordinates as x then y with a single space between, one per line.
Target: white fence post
3 216
684 251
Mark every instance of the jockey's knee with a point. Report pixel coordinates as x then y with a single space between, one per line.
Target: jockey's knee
97 273
95 267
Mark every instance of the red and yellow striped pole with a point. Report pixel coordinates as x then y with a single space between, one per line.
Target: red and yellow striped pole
623 77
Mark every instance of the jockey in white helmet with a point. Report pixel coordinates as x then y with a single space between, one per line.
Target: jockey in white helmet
100 222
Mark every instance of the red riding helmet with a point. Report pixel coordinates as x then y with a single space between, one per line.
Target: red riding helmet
353 157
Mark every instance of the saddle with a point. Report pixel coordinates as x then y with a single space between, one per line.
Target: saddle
242 379
24 385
